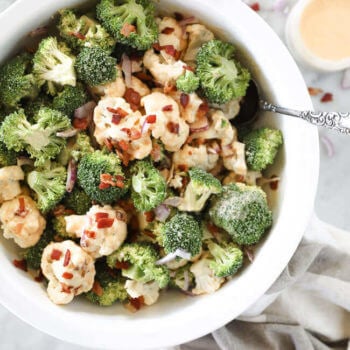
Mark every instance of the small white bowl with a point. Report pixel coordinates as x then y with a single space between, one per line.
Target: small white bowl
298 48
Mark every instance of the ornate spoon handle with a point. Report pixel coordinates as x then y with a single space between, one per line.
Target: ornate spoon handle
331 120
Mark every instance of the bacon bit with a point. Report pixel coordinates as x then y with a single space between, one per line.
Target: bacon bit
170 50
127 29
143 76
137 303
40 277
103 186
203 110
67 275
167 108
80 123
327 97
135 134
157 47
105 223
56 254
127 131
151 119
149 234
108 143
133 97
173 127
168 30
184 100
239 178
90 234
184 182
20 264
126 205
178 16
106 178
118 111
255 6
67 258
122 265
119 182
99 216
182 167
61 210
116 118
168 88
314 91
214 230
124 145
274 184
97 289
65 288
21 208
120 216
191 69
149 215
78 35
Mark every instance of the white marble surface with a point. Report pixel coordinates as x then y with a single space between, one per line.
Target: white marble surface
331 202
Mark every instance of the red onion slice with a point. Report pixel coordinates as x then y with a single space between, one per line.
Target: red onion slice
85 111
162 212
145 127
249 253
173 201
345 84
201 124
71 175
67 133
172 256
127 69
189 20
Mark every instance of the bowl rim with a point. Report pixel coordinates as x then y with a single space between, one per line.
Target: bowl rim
20 305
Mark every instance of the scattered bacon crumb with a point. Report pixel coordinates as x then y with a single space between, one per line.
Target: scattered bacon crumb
61 210
149 234
116 118
108 143
133 98
127 131
314 91
274 184
90 234
120 216
173 127
149 215
21 208
124 145
157 46
182 167
203 110
99 216
20 264
97 289
137 303
80 123
135 134
126 205
191 69
67 258
214 230
255 6
170 50
239 178
151 119
143 76
184 100
327 97
40 277
67 275
78 35
178 16
167 108
168 30
65 288
122 265
118 111
56 254
105 223
103 186
127 29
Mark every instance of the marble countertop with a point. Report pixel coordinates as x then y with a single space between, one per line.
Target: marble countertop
333 191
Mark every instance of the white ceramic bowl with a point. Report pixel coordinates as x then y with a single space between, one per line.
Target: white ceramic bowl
176 318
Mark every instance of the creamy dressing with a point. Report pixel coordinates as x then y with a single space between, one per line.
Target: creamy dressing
325 28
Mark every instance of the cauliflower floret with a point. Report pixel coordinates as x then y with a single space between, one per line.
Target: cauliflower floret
149 291
191 156
102 230
219 128
250 178
163 73
198 35
171 33
189 112
22 221
141 88
69 269
176 181
115 128
115 88
169 127
9 182
206 281
233 157
230 109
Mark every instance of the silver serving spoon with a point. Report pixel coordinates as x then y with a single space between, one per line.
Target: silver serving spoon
252 103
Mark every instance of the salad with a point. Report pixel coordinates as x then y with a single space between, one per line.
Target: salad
122 172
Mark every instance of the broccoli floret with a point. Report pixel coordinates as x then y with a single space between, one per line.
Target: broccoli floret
49 184
201 186
53 64
16 81
94 66
76 148
71 98
222 78
33 254
261 147
38 139
182 231
131 22
148 187
108 286
59 227
83 31
242 211
228 258
101 176
32 107
182 278
78 201
142 258
187 82
7 157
